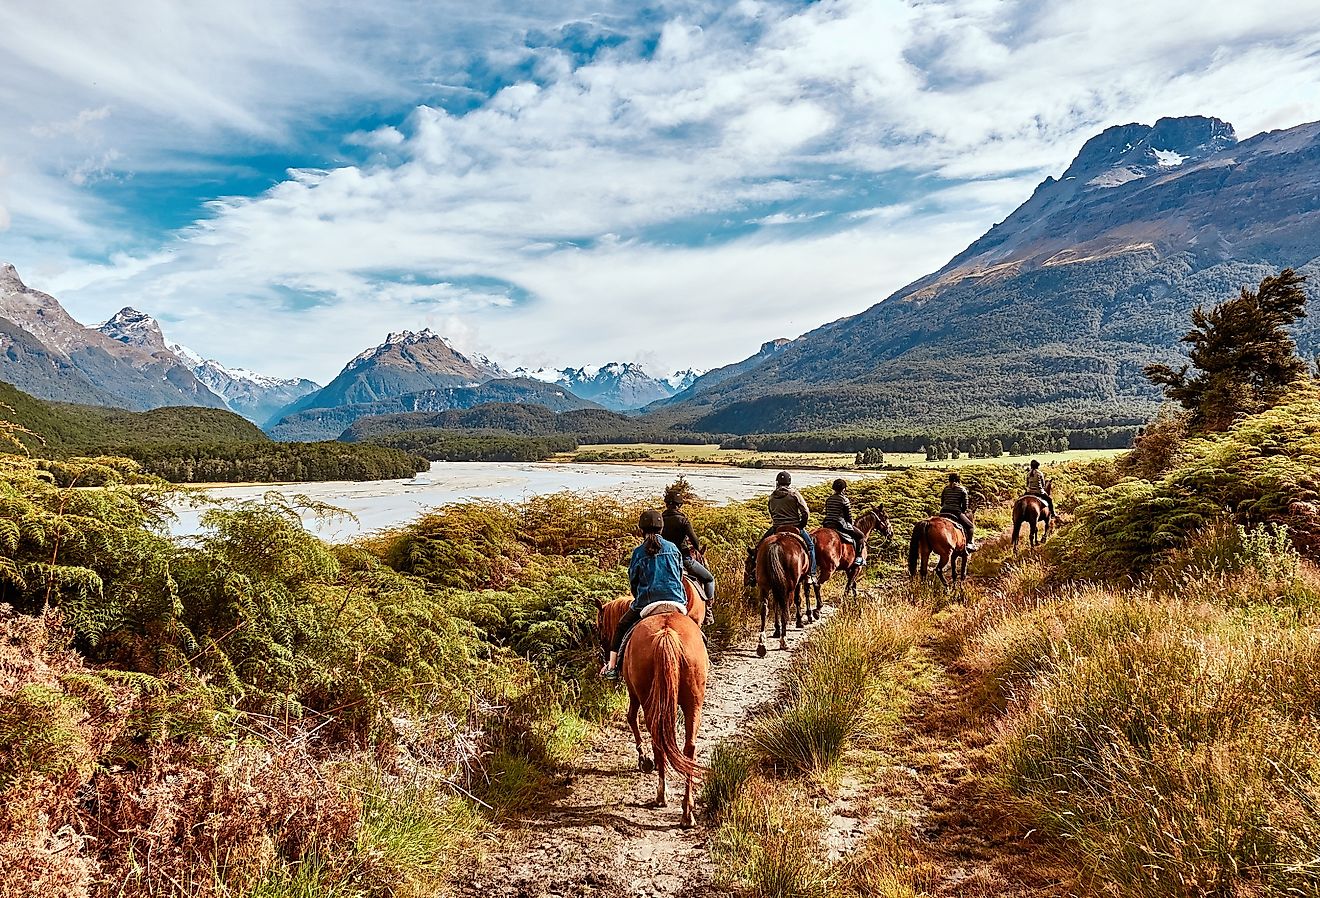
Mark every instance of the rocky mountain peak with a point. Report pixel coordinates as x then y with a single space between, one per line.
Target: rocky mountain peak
1123 153
134 328
10 282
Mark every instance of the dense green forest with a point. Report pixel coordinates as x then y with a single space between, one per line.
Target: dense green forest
187 444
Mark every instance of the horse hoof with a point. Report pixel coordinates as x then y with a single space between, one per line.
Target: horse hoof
783 644
760 650
645 765
688 820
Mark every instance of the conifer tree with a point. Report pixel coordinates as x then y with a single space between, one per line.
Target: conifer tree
1242 356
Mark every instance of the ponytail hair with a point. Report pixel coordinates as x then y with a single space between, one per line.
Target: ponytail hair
652 544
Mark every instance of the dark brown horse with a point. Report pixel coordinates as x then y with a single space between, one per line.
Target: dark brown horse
777 568
665 667
946 539
834 553
1032 510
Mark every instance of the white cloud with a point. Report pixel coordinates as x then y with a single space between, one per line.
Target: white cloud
601 190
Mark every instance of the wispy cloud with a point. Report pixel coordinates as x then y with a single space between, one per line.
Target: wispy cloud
585 183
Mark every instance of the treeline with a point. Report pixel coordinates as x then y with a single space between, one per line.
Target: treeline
1015 442
444 445
271 462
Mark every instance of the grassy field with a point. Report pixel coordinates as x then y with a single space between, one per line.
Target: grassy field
712 454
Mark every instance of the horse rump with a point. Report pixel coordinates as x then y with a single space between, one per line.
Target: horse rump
661 704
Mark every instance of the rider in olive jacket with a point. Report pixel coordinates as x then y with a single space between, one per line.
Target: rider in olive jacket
788 508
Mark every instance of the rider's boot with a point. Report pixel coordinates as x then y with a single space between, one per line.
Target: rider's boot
610 670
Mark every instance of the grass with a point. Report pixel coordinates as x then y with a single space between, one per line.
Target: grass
712 454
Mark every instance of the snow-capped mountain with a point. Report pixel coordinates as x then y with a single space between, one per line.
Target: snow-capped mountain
617 385
252 395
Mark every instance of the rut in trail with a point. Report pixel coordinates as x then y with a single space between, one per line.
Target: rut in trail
600 838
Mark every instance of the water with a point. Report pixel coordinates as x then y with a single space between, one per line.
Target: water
379 504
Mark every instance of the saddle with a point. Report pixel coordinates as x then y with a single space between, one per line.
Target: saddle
954 516
844 535
793 530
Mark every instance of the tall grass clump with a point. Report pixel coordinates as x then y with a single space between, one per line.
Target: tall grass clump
832 689
1178 755
767 845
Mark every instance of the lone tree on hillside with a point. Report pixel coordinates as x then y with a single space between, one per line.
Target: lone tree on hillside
1242 354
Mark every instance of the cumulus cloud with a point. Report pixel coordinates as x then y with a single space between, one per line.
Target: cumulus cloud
585 183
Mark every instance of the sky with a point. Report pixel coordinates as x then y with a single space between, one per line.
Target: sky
569 182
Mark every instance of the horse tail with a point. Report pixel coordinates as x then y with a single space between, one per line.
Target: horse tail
662 703
778 571
914 547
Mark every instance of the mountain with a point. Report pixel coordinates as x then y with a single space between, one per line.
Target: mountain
254 396
328 423
50 355
407 362
619 386
1048 319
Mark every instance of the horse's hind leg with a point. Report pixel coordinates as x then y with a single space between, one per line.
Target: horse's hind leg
939 570
760 643
634 705
797 603
691 723
1033 533
659 752
815 615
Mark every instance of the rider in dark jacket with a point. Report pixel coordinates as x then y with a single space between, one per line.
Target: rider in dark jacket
838 516
678 530
788 508
954 502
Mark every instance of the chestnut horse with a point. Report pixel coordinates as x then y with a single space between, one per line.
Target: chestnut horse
834 553
609 614
946 539
665 667
777 568
1031 510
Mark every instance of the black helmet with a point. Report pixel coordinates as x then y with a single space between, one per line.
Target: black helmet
650 521
1035 464
673 498
783 478
840 485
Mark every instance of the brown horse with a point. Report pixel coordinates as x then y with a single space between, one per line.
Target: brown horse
609 614
946 539
1032 510
834 553
665 667
777 568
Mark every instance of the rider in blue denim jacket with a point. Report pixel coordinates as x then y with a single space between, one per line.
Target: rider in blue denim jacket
655 574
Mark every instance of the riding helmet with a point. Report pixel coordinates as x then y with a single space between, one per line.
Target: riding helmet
783 478
650 521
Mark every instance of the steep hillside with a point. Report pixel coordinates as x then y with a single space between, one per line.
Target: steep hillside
328 423
1049 318
502 418
65 428
55 357
717 376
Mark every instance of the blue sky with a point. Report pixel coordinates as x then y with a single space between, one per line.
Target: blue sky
569 182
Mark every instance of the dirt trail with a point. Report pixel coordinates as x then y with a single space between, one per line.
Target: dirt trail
600 838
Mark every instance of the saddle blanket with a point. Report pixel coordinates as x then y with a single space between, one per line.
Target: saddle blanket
663 608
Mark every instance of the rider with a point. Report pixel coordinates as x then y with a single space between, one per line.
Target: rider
655 574
1036 486
838 516
678 530
954 502
788 508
